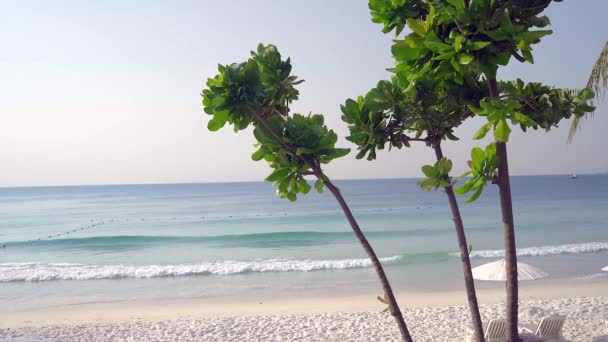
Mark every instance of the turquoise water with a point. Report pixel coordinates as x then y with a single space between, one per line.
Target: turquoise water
69 245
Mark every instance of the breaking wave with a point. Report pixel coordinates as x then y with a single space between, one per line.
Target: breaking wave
10 272
575 248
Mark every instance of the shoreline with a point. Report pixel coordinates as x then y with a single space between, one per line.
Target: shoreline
305 304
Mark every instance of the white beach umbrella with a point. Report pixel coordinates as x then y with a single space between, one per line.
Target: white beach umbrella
605 269
497 271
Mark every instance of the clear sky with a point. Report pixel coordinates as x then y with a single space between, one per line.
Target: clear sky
106 92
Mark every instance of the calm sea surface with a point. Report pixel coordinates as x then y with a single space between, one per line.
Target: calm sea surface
72 245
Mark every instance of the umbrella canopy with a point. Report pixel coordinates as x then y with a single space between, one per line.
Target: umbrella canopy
497 271
605 269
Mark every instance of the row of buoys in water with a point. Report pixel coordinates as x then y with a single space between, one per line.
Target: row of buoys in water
48 237
149 219
74 230
204 217
53 236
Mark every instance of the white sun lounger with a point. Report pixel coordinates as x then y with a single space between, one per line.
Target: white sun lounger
494 331
548 329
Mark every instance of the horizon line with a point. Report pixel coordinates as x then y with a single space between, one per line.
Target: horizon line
260 181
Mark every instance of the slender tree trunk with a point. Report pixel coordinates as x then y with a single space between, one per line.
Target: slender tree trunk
316 170
506 207
464 256
394 307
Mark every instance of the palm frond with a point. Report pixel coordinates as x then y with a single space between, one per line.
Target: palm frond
598 81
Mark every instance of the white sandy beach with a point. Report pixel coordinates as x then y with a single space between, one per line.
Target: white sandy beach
440 316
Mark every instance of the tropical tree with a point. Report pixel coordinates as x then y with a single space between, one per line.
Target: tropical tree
258 92
453 41
598 81
387 115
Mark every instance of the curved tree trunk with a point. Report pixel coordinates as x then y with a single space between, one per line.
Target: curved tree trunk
506 207
394 308
316 170
464 256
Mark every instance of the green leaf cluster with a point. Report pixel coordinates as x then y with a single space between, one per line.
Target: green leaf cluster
497 112
532 105
483 165
310 141
390 114
392 14
263 81
451 38
371 119
546 106
278 90
258 92
438 175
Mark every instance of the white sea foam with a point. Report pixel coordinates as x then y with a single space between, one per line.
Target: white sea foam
64 271
576 248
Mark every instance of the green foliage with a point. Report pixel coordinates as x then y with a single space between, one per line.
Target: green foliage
311 140
258 92
452 38
497 112
546 106
598 79
598 82
532 105
263 81
483 165
228 94
275 76
462 43
391 114
368 118
441 74
393 13
437 175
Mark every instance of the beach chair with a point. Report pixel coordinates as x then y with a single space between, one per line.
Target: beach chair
494 331
548 329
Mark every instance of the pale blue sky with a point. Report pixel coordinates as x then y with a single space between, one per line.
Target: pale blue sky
105 92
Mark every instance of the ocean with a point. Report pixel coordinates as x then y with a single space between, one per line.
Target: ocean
124 243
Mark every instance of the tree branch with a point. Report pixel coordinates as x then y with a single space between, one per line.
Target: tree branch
517 97
270 129
407 138
311 163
